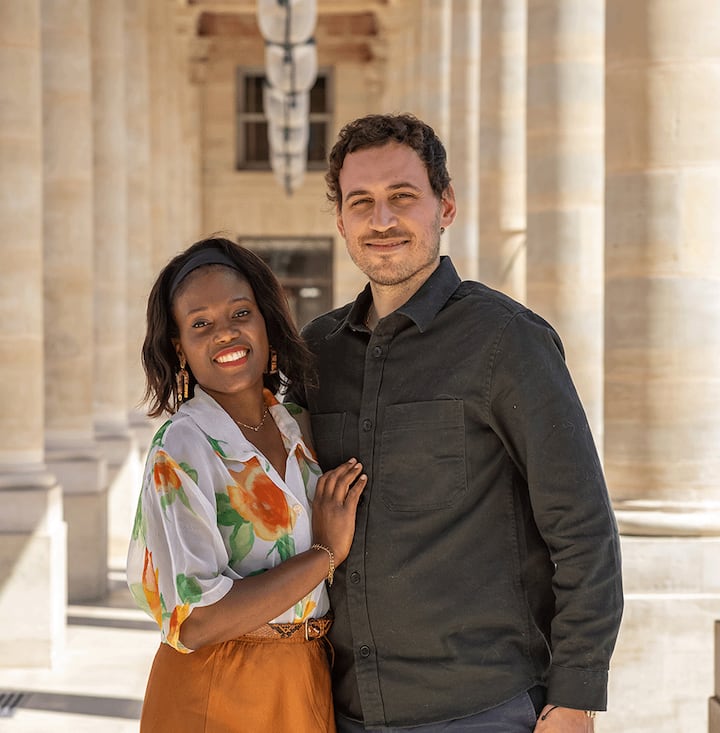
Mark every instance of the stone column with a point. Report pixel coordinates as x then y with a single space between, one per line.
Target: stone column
662 352
465 136
565 184
434 81
189 110
33 589
71 452
140 273
159 21
110 231
714 702
663 265
502 146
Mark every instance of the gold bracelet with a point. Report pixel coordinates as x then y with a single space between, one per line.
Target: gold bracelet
331 555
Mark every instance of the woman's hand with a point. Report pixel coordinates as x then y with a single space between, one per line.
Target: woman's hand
334 506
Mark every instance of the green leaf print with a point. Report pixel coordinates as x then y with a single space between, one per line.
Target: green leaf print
160 434
293 408
242 537
188 588
138 529
138 594
226 514
190 471
241 541
216 446
285 547
169 498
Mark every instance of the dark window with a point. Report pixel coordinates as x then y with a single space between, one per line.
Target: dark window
253 150
305 270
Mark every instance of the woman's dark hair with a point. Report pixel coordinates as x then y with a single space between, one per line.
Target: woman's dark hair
159 357
375 130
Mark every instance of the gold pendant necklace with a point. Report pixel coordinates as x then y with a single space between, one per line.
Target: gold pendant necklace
257 427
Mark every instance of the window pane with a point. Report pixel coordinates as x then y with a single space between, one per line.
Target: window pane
253 93
257 148
316 145
318 102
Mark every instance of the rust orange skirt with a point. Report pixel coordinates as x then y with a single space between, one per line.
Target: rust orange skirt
247 685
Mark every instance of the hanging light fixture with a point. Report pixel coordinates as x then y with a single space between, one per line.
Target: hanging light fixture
287 21
291 69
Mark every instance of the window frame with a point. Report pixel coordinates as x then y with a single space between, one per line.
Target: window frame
244 118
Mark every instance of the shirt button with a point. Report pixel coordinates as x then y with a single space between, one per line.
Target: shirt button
367 425
377 351
355 577
365 651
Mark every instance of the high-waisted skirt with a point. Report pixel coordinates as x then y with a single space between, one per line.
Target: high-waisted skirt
264 682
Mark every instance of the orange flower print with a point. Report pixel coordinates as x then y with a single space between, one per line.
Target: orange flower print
167 481
151 589
258 500
304 609
165 475
179 614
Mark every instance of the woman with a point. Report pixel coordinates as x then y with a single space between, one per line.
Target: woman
226 554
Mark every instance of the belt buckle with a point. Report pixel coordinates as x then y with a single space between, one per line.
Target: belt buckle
311 626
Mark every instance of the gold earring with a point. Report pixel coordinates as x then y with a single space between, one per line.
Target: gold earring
273 362
182 380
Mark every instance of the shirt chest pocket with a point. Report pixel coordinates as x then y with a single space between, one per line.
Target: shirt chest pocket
422 456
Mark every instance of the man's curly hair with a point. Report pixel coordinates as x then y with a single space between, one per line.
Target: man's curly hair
377 130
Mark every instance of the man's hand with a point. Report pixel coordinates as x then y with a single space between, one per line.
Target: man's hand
563 720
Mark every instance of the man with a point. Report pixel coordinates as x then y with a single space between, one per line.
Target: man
483 590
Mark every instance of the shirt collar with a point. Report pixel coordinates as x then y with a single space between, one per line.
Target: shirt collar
422 307
212 419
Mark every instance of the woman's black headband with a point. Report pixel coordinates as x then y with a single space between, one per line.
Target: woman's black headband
209 256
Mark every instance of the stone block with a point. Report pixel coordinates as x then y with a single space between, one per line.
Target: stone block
662 671
33 597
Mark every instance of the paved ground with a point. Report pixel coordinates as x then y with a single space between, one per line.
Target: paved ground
97 685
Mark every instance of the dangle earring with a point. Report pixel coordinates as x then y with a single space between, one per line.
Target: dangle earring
273 368
182 380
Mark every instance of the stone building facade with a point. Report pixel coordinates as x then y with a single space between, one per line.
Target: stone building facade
584 145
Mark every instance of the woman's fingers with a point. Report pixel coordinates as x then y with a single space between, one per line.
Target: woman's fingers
336 483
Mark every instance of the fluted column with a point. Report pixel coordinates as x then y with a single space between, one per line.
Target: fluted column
111 263
565 184
502 146
462 239
32 532
663 265
140 273
435 54
160 150
189 110
72 454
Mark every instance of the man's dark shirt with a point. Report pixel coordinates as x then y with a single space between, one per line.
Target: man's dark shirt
486 557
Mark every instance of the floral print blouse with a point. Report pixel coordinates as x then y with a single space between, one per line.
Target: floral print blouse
212 509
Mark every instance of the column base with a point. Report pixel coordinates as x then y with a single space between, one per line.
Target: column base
82 472
714 715
33 568
124 476
642 518
672 600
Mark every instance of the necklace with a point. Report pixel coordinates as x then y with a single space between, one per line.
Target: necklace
257 427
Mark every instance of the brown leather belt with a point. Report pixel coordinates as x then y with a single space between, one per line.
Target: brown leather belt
311 628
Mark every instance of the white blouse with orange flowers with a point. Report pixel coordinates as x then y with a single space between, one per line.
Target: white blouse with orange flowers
212 509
